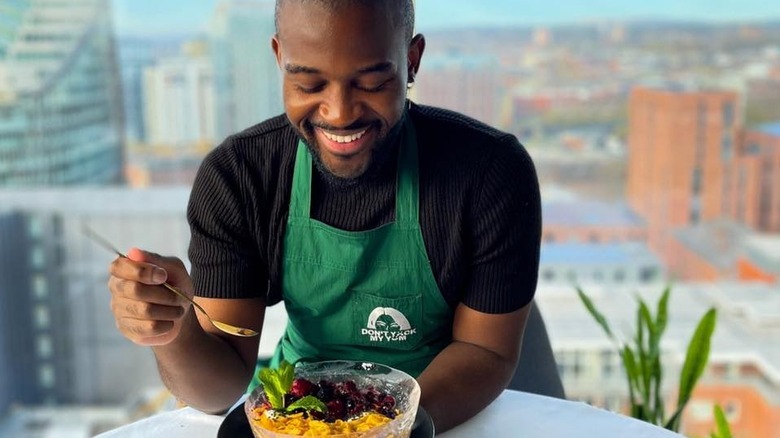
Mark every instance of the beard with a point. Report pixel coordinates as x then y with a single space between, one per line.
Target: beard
380 153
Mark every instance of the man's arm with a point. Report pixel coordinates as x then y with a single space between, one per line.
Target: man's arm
475 368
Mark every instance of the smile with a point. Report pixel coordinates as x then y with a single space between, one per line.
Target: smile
344 138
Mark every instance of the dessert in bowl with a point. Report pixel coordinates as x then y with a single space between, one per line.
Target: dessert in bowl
335 399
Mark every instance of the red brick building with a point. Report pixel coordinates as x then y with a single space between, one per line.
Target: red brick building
752 190
691 170
679 144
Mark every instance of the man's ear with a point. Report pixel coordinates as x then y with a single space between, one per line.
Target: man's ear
277 47
414 56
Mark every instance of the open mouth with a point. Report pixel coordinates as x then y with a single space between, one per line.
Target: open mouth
344 144
344 138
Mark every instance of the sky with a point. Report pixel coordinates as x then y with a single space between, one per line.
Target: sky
161 17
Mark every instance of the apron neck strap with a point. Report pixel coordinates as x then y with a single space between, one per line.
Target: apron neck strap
407 193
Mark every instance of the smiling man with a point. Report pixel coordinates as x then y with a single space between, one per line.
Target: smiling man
393 232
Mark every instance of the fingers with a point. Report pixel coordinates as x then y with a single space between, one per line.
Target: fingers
153 294
173 266
146 312
143 272
146 323
142 310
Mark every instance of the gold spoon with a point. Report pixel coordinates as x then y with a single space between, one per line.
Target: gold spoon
225 327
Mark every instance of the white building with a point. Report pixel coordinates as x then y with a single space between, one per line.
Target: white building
179 102
247 79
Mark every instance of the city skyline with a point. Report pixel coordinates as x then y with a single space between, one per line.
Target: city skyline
152 18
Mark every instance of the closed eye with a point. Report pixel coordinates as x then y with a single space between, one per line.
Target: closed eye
309 90
374 89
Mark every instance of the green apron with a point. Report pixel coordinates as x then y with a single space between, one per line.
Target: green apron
363 295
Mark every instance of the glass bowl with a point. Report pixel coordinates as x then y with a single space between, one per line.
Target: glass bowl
403 387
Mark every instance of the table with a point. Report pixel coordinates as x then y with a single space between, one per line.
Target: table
512 414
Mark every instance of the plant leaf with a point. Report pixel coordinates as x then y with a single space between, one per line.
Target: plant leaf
695 362
598 316
309 403
696 356
277 382
632 373
662 317
724 431
644 323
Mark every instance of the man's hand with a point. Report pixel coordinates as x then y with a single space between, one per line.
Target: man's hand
145 312
189 350
475 368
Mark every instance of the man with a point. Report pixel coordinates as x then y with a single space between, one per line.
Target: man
361 211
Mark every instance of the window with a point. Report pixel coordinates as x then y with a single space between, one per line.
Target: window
728 115
726 147
37 257
732 410
40 286
35 227
41 317
607 364
696 181
648 274
44 346
46 376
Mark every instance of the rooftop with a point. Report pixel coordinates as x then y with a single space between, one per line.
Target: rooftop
589 213
718 242
770 128
596 253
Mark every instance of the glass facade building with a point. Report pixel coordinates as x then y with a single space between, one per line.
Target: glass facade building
60 95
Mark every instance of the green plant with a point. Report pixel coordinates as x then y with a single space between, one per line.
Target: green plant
723 428
641 359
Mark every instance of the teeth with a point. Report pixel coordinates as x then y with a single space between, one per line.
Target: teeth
344 138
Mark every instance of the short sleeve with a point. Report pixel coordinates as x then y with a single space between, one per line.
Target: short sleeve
226 262
506 232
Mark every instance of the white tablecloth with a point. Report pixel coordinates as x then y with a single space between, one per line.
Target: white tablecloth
513 414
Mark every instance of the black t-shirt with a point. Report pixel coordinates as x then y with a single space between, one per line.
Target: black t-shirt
480 211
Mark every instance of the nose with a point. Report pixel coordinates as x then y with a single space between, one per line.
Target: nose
340 108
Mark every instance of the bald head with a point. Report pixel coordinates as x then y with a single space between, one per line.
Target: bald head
402 20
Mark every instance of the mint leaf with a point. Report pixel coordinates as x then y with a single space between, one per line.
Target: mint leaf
277 383
310 403
286 373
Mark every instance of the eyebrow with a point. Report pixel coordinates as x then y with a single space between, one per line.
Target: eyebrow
379 67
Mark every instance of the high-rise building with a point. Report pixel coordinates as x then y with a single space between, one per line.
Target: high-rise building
247 81
179 102
60 104
679 143
59 342
752 187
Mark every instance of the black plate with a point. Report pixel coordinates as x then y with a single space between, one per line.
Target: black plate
236 425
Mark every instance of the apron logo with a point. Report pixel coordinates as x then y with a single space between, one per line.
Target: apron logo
386 324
